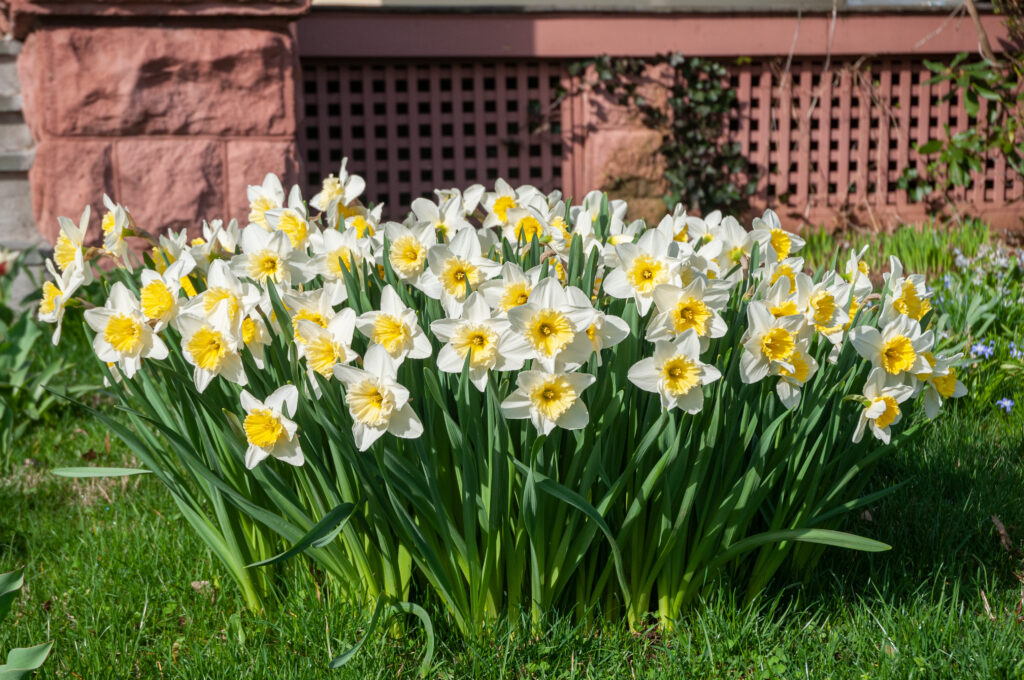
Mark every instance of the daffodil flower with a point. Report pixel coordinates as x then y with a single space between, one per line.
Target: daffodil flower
394 327
548 324
737 244
549 399
268 196
907 295
122 334
221 286
642 267
468 198
502 199
159 295
116 221
269 429
222 240
511 289
269 256
522 225
791 382
376 401
675 373
604 331
459 267
881 405
617 234
769 342
69 250
940 382
325 348
56 294
292 220
695 307
899 348
779 243
335 252
365 223
478 336
407 255
343 189
315 306
211 343
445 220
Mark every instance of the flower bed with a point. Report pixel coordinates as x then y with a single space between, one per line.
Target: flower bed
505 402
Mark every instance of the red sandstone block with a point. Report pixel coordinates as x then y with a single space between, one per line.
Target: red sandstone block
66 176
171 182
250 161
136 81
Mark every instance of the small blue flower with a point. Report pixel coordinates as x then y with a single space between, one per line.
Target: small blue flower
1005 404
982 350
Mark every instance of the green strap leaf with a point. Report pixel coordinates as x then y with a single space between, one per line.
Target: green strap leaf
23 661
389 609
839 539
322 533
10 584
89 472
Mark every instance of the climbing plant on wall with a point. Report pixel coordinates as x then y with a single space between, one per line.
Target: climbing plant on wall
703 169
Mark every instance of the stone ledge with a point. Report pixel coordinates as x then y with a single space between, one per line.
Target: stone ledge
10 102
22 14
16 161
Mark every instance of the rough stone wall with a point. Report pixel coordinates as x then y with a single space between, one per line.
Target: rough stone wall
171 118
17 224
621 153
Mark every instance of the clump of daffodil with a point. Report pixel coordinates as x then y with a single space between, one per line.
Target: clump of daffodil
503 398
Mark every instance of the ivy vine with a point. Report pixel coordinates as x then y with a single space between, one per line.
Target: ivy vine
703 169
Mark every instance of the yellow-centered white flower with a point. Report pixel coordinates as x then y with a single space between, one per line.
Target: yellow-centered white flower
407 255
328 347
475 336
778 243
376 401
791 382
395 328
675 373
56 294
334 253
511 289
643 266
292 220
881 405
269 257
268 196
549 399
459 268
122 334
69 250
269 429
899 348
445 219
211 343
695 307
343 189
116 223
239 298
907 295
159 295
549 323
941 382
505 198
769 342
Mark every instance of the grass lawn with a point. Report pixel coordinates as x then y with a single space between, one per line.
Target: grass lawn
117 578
